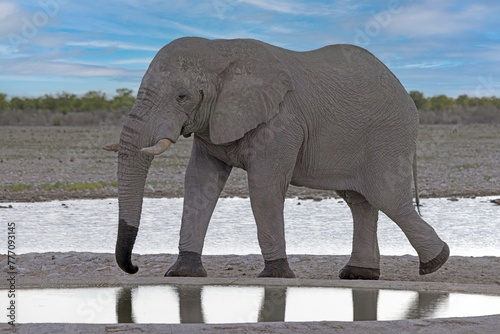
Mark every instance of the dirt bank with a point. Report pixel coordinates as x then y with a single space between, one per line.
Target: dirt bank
61 269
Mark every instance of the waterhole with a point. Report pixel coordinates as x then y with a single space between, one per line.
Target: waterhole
172 304
468 225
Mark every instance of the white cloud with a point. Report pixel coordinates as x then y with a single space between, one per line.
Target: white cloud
286 7
188 30
133 61
33 67
431 18
7 51
281 29
7 8
431 64
489 53
10 18
112 45
300 8
193 31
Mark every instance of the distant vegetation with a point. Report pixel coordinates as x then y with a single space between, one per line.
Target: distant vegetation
441 109
94 108
67 102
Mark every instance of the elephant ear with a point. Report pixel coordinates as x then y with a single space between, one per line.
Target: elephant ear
250 90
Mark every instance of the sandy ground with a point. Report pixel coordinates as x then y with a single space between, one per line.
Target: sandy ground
45 163
75 268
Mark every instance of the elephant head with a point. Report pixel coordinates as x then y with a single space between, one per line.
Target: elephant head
218 90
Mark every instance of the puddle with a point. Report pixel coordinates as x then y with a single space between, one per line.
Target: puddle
469 226
241 304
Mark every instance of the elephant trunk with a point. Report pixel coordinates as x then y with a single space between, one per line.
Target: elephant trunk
145 134
133 167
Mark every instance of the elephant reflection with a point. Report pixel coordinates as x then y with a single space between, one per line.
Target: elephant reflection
190 310
273 306
365 304
190 305
124 306
425 305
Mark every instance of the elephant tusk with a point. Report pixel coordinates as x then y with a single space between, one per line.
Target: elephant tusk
160 147
112 147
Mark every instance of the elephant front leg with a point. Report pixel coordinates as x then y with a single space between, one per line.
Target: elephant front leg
267 200
365 257
204 181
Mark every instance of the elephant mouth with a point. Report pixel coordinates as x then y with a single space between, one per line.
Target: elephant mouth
185 132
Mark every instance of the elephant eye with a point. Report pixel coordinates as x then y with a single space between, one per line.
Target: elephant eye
181 97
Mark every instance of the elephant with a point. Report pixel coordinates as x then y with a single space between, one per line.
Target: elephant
335 119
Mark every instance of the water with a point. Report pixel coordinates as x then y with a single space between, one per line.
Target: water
469 226
241 304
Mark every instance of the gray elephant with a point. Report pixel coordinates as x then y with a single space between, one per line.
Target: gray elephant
334 118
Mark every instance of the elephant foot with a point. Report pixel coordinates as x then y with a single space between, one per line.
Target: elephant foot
436 263
277 268
188 264
352 272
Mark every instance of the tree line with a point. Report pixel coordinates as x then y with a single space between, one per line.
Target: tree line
443 102
67 102
96 100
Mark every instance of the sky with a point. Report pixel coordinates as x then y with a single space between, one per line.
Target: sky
53 46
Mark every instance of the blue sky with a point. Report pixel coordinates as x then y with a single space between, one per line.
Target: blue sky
437 47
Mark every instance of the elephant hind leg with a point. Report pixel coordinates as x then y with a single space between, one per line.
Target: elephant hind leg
365 257
432 251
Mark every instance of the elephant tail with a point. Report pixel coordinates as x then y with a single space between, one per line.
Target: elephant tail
415 183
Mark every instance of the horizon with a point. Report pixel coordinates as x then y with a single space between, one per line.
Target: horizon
55 46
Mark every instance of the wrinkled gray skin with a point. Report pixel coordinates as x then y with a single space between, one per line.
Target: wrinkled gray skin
334 118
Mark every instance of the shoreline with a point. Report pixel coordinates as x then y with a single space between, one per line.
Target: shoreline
112 194
50 269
